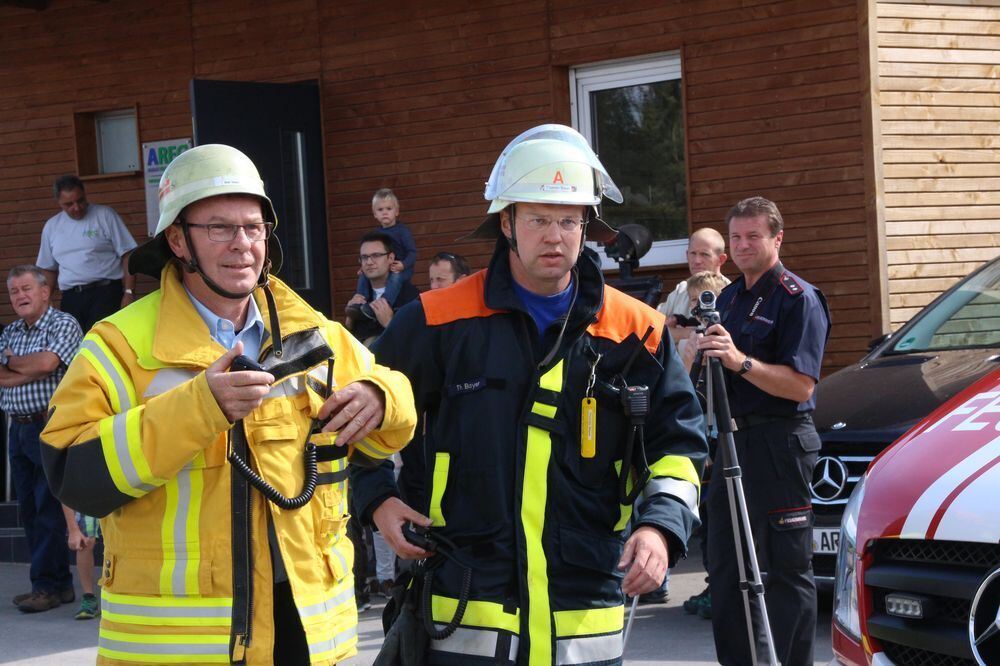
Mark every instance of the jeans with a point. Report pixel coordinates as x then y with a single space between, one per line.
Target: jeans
41 513
393 285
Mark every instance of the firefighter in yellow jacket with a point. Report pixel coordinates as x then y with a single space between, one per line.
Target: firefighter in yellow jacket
208 424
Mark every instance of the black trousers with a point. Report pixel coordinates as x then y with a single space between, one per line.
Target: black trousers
777 460
92 304
290 646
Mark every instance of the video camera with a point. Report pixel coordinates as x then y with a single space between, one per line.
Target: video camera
705 311
631 244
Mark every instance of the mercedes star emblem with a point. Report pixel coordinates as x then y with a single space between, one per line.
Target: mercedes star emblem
984 621
829 479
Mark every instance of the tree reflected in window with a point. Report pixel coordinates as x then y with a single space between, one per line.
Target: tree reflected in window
639 135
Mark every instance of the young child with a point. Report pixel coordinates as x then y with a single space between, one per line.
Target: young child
385 208
83 533
697 283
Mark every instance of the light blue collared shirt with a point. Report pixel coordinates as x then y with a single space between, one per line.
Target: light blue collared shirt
224 332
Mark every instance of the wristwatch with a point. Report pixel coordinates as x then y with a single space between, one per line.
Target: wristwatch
745 366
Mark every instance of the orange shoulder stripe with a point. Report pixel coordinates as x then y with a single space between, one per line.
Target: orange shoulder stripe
621 315
462 300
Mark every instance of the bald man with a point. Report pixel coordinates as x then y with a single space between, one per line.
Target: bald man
706 252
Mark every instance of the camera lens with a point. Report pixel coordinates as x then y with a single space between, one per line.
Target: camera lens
707 300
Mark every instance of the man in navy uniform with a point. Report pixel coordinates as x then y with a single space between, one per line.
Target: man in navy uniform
774 327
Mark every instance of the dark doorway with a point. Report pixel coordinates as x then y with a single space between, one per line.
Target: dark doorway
278 126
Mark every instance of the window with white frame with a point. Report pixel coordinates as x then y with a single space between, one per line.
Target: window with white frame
632 113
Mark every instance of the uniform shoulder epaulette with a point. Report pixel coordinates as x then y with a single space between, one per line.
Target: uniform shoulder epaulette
790 284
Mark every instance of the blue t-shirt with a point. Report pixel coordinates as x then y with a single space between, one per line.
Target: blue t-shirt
545 309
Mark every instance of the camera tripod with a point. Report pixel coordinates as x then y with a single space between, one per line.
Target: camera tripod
719 419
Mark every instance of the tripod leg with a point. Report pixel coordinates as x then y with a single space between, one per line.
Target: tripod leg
750 580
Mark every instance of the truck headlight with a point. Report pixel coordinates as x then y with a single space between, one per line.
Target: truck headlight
845 588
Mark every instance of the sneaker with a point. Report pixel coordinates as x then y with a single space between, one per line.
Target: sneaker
654 597
364 603
367 311
88 608
705 608
385 588
695 601
39 602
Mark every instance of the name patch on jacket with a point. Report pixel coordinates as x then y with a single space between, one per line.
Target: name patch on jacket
473 385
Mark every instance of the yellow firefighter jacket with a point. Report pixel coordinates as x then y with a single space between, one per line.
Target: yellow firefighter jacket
135 436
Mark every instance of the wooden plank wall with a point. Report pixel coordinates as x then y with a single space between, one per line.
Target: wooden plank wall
424 101
939 103
421 97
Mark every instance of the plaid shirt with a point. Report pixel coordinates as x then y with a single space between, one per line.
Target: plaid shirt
56 332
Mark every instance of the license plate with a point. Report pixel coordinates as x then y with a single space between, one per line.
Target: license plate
826 540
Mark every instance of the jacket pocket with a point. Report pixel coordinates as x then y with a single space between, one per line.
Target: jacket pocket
590 551
150 574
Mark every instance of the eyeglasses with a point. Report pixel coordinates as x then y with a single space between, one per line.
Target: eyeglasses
566 225
223 233
374 256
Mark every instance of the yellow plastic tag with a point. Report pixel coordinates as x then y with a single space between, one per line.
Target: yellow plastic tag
588 428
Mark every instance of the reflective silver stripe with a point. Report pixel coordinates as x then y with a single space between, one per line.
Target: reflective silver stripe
334 642
328 605
474 642
112 372
682 490
319 375
287 389
184 649
179 575
155 612
340 557
166 379
589 649
119 428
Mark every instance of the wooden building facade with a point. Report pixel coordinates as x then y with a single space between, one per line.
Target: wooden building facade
869 122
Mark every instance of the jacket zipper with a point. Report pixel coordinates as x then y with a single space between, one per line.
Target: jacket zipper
242 521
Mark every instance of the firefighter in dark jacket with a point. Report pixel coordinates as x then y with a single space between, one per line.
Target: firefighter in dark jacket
532 376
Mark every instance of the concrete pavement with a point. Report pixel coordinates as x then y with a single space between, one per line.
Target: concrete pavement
662 634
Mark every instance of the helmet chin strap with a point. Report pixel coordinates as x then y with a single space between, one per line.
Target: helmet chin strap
263 281
513 229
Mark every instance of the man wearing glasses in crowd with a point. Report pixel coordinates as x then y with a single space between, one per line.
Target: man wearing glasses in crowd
376 257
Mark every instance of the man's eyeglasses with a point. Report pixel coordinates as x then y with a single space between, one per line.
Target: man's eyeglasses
566 224
223 233
374 256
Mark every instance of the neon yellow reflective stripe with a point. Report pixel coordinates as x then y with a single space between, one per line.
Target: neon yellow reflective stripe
442 463
372 449
625 510
534 494
116 465
533 500
484 614
133 433
179 531
553 379
167 537
193 563
679 467
163 648
138 324
589 621
166 610
544 410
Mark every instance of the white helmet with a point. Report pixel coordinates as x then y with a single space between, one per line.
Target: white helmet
548 164
198 173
